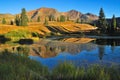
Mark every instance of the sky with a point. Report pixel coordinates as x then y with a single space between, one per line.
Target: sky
110 7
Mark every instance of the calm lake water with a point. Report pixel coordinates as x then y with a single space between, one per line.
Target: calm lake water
79 51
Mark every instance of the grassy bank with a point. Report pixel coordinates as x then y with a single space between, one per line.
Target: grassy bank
19 67
38 29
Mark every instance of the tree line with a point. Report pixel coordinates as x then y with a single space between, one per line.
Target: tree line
22 19
104 26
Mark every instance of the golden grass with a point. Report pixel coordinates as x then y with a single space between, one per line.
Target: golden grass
41 29
37 27
71 26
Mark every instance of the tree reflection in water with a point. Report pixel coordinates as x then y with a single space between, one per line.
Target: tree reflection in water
75 48
101 52
111 42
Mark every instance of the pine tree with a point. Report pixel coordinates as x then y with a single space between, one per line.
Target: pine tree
11 22
102 23
46 22
82 21
3 21
113 23
62 18
58 20
51 18
68 19
17 20
23 18
78 20
38 19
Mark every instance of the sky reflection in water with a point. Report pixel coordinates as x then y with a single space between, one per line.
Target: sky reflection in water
95 51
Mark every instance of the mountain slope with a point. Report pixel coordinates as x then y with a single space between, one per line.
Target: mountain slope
8 17
54 27
46 12
42 12
72 14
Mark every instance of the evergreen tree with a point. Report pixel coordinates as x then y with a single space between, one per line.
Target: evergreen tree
51 18
38 19
17 20
30 20
68 18
23 18
46 22
11 22
102 23
94 24
58 20
78 20
82 21
62 18
113 23
3 21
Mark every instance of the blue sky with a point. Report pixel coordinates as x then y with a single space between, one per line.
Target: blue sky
93 6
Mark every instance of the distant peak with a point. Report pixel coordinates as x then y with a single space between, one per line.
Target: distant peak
45 8
73 10
90 14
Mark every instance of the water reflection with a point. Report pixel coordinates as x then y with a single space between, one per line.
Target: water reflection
77 50
50 48
111 42
77 40
101 52
3 40
81 51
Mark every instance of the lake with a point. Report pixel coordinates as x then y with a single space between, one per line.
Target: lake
81 51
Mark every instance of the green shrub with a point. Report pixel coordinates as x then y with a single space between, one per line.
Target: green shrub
35 34
18 33
17 67
23 50
64 71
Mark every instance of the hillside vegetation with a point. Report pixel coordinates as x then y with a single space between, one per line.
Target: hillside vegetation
41 29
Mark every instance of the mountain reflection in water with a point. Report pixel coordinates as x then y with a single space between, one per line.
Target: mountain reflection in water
51 48
78 50
81 51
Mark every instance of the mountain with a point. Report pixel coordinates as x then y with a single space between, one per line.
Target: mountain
42 12
46 12
91 16
72 14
